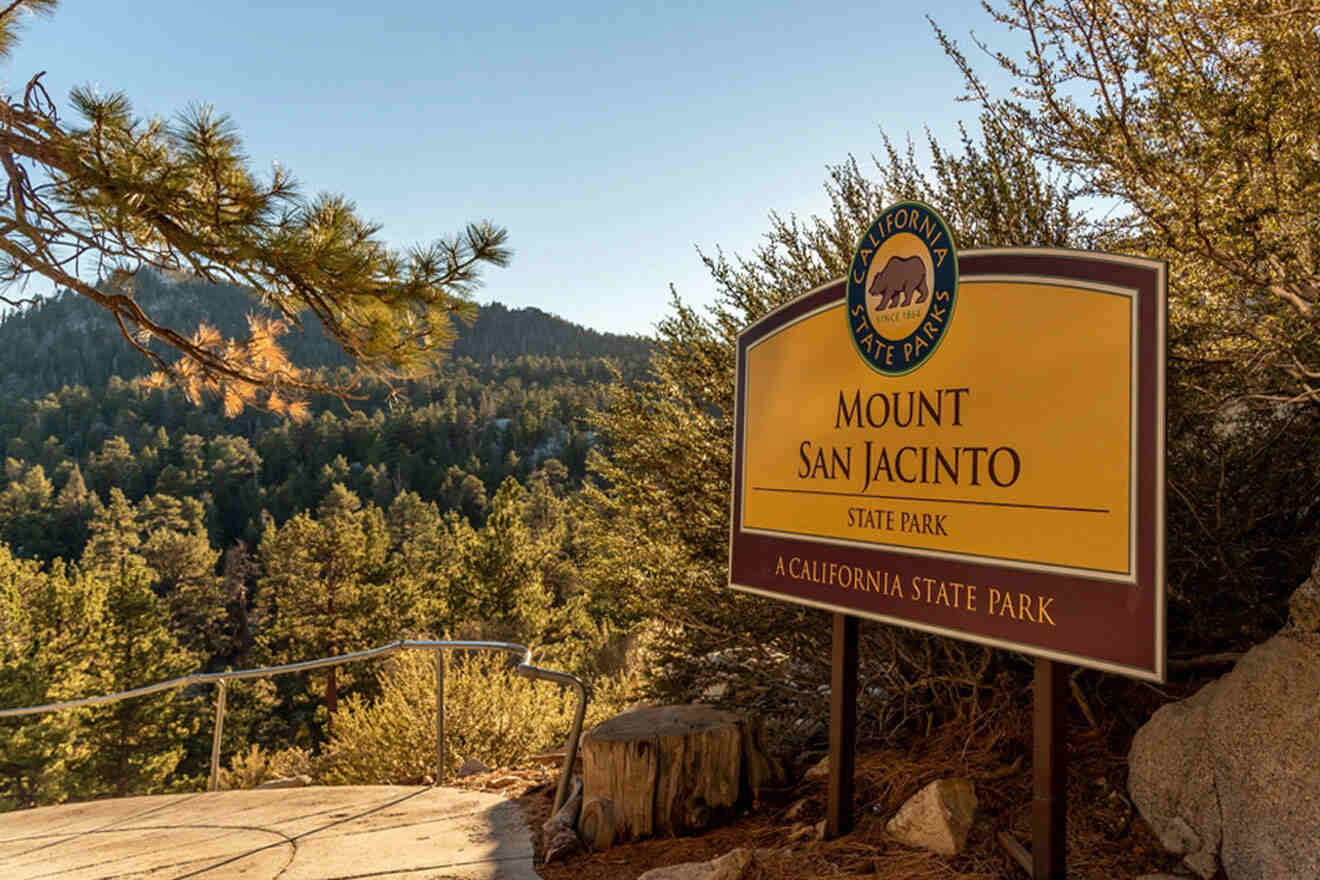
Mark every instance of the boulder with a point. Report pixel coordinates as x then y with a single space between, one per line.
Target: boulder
1229 775
716 692
739 864
794 811
937 818
819 771
287 782
800 831
1304 606
471 767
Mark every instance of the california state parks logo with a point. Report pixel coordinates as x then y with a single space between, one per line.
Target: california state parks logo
902 287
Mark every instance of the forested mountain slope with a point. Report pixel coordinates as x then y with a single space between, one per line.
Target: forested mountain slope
143 537
69 340
514 394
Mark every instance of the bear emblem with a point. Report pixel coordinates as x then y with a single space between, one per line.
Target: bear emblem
901 275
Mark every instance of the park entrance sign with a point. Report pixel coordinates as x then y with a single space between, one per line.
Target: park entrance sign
970 445
967 445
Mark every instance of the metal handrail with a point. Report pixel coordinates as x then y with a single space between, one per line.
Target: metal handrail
221 680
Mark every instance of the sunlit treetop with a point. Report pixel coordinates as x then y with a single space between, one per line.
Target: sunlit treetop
1199 121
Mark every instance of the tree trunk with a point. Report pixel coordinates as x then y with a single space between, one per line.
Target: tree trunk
673 769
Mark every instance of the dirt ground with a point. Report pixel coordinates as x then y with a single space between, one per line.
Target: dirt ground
1106 839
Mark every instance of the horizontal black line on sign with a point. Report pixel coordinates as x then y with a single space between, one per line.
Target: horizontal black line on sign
934 500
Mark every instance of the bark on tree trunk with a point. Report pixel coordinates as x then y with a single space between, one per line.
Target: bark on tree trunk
673 769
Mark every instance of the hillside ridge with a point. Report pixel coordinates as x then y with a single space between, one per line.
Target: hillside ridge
68 340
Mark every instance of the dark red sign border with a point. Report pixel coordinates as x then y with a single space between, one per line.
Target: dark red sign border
1101 624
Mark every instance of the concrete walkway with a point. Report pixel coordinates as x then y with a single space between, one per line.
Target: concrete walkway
316 833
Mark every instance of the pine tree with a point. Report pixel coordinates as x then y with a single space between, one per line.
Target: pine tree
75 506
415 577
179 197
115 466
177 548
316 593
497 583
67 633
113 550
24 510
132 746
44 619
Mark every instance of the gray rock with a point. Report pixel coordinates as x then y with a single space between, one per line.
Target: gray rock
937 818
287 782
801 831
739 864
716 692
471 767
1229 775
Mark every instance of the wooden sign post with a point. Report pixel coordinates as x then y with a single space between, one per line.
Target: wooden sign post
1049 774
968 445
843 726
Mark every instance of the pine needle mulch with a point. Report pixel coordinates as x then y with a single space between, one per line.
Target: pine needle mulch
1106 840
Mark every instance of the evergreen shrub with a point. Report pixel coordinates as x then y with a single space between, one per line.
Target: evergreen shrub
491 714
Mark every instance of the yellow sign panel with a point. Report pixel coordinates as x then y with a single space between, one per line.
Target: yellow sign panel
1015 444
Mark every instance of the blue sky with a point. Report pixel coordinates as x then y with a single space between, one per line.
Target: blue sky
609 140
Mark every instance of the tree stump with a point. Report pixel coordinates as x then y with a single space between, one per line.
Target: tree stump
671 770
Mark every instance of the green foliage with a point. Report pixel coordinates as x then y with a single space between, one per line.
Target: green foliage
26 507
133 746
491 714
501 332
497 577
69 633
317 593
10 24
47 619
1197 125
68 528
250 768
415 591
516 578
447 439
379 499
176 546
